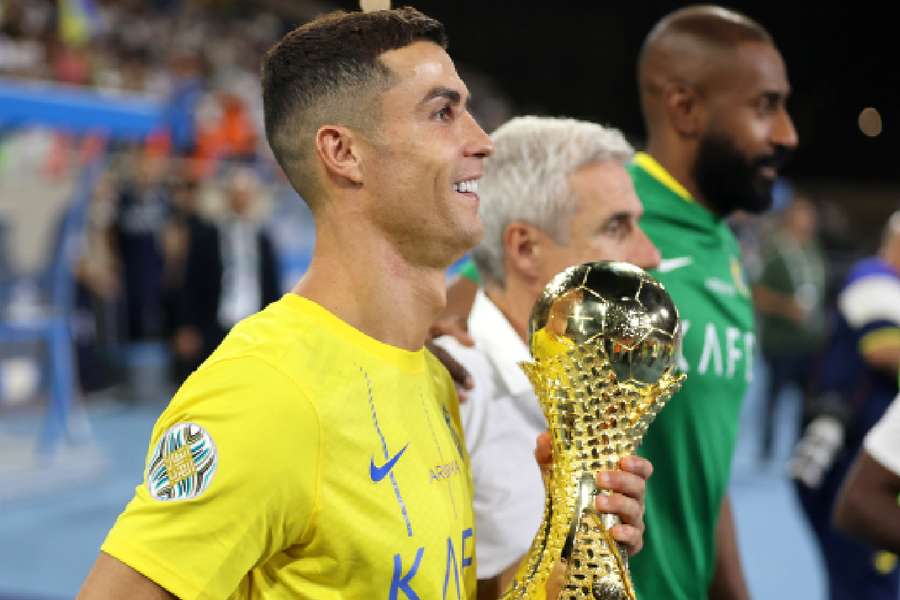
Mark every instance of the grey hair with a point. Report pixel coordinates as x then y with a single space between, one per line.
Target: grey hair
527 179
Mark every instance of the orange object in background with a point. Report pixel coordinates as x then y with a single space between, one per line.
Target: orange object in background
230 134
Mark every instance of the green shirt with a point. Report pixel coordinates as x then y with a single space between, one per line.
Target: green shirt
470 271
692 440
796 270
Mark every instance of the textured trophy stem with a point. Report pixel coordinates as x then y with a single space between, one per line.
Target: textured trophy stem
595 421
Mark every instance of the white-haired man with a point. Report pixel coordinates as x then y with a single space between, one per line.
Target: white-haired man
555 193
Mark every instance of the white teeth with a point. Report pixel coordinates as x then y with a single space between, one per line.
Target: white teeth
468 186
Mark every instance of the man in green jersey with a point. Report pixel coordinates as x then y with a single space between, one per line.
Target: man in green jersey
713 90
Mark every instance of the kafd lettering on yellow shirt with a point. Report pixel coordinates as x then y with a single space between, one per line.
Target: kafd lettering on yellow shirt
402 581
456 557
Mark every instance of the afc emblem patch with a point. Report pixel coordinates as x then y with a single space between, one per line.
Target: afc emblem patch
183 463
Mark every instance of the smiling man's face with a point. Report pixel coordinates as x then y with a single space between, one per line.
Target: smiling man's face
749 133
425 160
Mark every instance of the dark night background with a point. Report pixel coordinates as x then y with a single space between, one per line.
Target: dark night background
578 59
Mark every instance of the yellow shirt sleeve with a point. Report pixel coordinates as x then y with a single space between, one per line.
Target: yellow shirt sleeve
260 498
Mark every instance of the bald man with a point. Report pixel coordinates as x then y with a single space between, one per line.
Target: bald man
713 88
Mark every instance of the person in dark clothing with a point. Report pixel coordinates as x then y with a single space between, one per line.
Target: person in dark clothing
230 272
854 385
141 214
790 299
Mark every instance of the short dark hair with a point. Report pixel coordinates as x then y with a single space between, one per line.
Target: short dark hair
328 71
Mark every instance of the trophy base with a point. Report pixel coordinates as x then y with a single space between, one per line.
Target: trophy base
609 592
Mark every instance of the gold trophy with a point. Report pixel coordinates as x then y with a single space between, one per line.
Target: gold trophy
604 338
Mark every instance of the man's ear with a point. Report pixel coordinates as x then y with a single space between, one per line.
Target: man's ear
522 245
338 150
685 109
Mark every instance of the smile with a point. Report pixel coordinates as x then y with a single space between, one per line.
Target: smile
467 186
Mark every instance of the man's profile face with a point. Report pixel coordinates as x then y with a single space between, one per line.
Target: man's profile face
604 225
749 133
424 162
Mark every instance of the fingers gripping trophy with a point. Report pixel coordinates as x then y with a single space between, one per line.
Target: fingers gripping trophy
604 338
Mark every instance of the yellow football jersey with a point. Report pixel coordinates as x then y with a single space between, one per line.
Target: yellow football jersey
305 459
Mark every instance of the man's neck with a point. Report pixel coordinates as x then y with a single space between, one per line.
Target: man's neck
515 301
362 279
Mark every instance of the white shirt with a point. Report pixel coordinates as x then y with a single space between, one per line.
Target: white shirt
240 272
883 441
501 419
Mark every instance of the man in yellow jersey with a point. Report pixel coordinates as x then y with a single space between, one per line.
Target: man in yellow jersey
318 452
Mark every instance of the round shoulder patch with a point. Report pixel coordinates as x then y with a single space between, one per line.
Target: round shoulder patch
182 464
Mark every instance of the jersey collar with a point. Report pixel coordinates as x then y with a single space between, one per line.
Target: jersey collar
410 361
499 341
659 173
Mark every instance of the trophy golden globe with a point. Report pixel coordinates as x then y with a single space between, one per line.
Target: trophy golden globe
604 338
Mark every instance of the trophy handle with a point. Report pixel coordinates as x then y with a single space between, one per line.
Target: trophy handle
584 501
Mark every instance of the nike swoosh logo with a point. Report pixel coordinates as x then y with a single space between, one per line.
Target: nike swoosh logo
670 264
378 473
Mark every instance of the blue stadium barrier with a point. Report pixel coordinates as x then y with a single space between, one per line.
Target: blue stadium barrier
51 326
79 110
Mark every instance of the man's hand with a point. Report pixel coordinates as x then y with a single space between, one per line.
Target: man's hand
456 328
628 487
453 322
458 373
728 581
187 343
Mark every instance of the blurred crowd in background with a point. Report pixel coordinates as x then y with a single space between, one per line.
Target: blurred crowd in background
200 59
205 165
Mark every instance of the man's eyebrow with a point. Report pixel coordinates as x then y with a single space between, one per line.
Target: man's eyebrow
622 215
444 92
776 95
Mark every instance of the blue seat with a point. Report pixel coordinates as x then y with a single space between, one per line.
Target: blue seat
47 322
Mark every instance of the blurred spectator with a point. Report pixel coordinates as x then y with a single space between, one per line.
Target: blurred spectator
72 65
868 505
22 27
187 90
198 62
142 211
98 292
789 296
230 273
224 131
182 218
853 387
